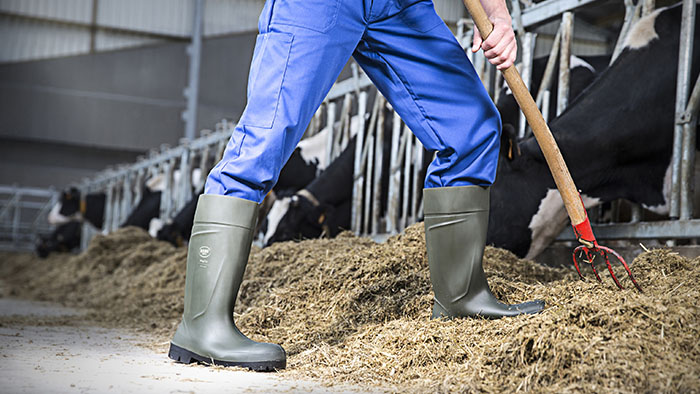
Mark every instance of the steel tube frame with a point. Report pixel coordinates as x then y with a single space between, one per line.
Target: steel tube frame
567 32
682 90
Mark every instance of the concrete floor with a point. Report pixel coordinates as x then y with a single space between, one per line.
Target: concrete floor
42 351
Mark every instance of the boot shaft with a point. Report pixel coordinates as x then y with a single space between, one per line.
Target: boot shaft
217 253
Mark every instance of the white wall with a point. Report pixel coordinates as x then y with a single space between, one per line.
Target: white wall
39 29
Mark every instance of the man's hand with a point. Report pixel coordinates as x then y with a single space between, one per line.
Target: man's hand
500 48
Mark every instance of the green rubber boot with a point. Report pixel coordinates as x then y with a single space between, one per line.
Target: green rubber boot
216 260
456 220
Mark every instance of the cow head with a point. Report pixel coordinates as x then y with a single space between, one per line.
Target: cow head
64 238
70 202
297 217
171 233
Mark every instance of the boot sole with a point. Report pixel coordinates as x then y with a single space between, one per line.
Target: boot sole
187 357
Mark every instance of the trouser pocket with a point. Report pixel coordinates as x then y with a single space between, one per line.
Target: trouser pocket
267 73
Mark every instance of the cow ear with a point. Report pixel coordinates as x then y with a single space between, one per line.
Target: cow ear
509 143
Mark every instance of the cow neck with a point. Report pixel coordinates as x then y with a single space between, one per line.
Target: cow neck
307 195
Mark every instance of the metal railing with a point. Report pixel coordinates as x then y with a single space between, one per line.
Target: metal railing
355 99
23 215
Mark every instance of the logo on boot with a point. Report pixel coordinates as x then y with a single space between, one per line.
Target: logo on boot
204 252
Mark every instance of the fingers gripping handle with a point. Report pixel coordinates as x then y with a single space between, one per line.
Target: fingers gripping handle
560 172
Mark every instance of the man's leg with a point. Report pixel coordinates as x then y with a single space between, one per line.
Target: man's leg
302 48
418 65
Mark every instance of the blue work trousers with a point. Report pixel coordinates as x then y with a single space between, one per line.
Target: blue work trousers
405 49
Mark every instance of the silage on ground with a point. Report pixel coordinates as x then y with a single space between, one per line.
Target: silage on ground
351 310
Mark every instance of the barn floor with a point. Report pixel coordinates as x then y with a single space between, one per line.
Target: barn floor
49 348
349 311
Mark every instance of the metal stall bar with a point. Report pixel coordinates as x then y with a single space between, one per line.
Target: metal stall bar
550 9
366 170
567 32
548 75
415 179
378 161
690 119
23 212
330 123
358 179
665 229
682 90
631 16
407 184
394 177
528 44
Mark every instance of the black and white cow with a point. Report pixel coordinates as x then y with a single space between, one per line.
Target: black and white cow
179 229
65 238
305 163
616 138
72 206
322 207
583 70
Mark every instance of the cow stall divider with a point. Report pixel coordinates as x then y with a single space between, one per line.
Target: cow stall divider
354 108
24 214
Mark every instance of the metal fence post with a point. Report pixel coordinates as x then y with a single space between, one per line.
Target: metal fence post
567 30
356 211
682 90
394 177
378 161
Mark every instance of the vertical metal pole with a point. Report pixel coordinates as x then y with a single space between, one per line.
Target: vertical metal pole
368 189
108 210
184 187
417 182
549 70
567 30
631 15
516 15
460 33
394 177
347 121
528 44
116 202
93 26
406 180
688 170
357 167
194 51
378 161
545 104
165 194
85 228
127 190
682 90
16 216
330 123
688 155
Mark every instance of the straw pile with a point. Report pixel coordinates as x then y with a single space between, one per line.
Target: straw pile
350 310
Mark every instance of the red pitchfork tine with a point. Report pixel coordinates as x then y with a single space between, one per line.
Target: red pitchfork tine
550 150
590 249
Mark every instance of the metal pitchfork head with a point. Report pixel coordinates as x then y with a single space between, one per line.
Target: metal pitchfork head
589 250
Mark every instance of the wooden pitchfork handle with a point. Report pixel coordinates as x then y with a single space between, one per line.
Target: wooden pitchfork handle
560 172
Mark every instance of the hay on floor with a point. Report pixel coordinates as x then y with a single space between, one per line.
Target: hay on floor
351 310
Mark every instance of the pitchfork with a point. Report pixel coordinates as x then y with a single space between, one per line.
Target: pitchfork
589 248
